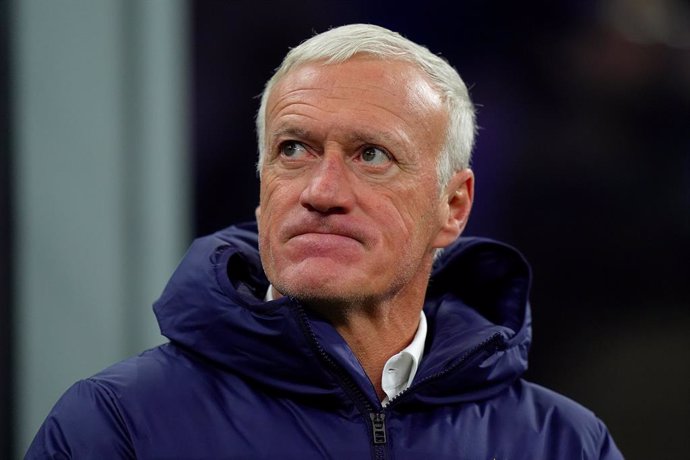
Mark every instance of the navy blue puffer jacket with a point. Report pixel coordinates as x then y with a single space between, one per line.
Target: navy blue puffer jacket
245 379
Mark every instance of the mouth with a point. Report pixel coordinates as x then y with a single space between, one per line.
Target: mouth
322 234
325 240
326 231
324 245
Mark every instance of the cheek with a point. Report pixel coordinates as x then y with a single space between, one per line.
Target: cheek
274 196
413 212
267 188
269 202
401 227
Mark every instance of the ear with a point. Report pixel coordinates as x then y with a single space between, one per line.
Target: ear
257 213
455 207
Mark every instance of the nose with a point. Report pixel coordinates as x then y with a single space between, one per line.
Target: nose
328 189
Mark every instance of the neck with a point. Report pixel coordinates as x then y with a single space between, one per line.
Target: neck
375 338
376 330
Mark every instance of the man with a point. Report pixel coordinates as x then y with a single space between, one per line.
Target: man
340 331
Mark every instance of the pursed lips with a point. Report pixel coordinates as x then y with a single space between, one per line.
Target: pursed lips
325 241
327 229
325 236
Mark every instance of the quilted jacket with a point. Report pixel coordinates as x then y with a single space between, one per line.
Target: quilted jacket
241 378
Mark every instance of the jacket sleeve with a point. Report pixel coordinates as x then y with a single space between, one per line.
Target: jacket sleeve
85 423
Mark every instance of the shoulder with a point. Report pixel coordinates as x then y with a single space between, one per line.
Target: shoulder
85 421
148 369
561 422
160 383
548 403
98 415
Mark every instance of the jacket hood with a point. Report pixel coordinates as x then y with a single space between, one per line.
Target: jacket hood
477 312
479 320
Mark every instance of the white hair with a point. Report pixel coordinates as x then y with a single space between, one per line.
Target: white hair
342 43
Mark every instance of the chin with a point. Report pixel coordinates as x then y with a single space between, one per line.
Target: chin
321 288
334 306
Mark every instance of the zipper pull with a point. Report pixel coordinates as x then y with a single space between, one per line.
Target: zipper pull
378 426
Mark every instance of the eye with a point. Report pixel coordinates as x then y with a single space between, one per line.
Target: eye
292 149
375 156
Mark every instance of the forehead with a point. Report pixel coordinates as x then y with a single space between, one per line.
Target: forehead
377 94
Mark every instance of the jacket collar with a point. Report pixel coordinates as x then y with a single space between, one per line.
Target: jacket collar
476 306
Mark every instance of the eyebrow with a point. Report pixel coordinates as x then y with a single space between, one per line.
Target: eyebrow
290 131
374 137
359 136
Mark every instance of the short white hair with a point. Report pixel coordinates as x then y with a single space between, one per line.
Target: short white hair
339 44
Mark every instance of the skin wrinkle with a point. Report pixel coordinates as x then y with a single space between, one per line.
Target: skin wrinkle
382 139
284 104
362 136
350 240
407 220
382 107
421 91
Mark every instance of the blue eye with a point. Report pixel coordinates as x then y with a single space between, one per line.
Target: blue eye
292 149
375 156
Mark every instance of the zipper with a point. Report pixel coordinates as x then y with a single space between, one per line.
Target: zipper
376 418
378 426
492 344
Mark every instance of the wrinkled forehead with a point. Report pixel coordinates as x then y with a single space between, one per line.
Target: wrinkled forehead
401 83
387 103
385 67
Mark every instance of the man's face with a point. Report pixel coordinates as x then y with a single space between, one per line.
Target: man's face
350 209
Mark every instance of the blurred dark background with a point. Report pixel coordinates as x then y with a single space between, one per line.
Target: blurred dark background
582 162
